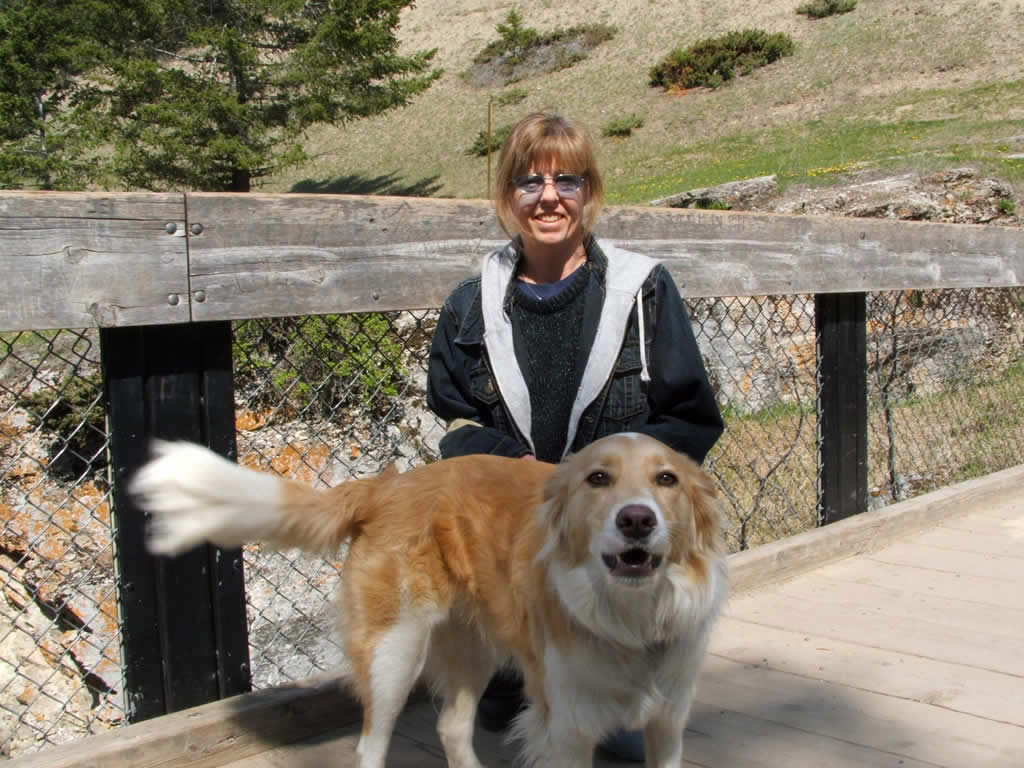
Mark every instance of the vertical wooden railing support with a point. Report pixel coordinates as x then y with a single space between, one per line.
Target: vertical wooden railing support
184 635
842 405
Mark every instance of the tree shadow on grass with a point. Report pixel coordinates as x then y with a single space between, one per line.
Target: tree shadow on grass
357 184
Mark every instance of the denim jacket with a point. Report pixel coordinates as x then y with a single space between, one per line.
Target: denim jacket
643 371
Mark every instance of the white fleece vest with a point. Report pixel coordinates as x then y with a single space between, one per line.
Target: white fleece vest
623 282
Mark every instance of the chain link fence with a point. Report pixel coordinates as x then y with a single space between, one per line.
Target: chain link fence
945 388
327 398
60 656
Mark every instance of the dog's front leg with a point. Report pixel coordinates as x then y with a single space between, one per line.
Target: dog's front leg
551 743
663 743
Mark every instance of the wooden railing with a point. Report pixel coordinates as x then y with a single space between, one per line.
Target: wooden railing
160 274
75 260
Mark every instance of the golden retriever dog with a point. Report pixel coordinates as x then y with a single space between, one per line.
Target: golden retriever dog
601 577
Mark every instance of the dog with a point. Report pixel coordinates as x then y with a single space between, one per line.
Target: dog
601 577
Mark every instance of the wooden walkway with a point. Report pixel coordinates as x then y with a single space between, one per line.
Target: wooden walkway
910 655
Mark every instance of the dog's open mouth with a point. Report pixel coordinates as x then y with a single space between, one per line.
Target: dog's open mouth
633 563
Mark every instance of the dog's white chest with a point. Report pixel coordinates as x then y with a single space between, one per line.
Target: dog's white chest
598 691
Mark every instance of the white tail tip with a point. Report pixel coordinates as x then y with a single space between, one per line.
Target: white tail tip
195 496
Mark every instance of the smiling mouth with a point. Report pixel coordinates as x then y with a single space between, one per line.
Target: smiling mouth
634 563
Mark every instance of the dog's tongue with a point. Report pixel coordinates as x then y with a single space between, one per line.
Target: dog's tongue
635 557
632 562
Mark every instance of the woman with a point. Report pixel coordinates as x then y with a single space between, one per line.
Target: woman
563 339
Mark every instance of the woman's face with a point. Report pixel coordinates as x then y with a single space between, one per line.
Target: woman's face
552 215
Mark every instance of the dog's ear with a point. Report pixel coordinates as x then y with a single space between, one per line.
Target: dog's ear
556 491
703 495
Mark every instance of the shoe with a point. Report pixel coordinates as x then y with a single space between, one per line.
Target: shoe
496 713
501 702
627 746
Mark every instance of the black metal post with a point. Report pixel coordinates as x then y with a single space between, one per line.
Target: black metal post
184 632
842 405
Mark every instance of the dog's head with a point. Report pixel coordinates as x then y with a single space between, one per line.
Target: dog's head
628 515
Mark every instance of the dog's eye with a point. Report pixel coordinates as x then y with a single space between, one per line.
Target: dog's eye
598 479
666 479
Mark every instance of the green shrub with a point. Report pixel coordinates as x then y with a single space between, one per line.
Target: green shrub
1007 206
593 34
622 126
819 9
498 136
707 204
511 96
316 365
714 61
565 58
520 50
514 39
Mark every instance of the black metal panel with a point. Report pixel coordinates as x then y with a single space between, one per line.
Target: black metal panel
122 356
184 620
228 583
174 398
842 404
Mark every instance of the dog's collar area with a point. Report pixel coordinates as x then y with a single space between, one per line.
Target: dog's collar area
634 563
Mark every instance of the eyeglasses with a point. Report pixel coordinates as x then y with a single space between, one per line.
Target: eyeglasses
531 186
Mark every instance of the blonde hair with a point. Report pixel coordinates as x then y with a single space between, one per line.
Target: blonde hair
546 136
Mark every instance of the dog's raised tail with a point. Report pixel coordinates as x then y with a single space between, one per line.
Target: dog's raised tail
196 496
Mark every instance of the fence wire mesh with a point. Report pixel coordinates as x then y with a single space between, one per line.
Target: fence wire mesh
945 386
60 667
760 354
322 399
327 398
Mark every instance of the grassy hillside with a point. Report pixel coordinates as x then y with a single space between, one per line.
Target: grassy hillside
895 83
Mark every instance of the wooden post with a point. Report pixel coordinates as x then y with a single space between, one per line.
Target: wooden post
842 405
490 112
184 632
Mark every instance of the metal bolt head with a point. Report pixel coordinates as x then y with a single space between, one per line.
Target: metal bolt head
197 229
173 299
199 296
170 228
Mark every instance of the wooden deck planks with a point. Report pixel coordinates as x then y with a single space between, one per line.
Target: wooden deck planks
909 656
337 749
870 661
873 626
909 600
952 585
912 729
915 650
1004 570
975 692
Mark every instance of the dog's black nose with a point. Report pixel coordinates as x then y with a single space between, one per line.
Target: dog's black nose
636 521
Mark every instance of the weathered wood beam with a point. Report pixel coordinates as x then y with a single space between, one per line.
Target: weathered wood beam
85 260
78 260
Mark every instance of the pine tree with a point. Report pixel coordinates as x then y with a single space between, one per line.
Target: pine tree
218 94
45 48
